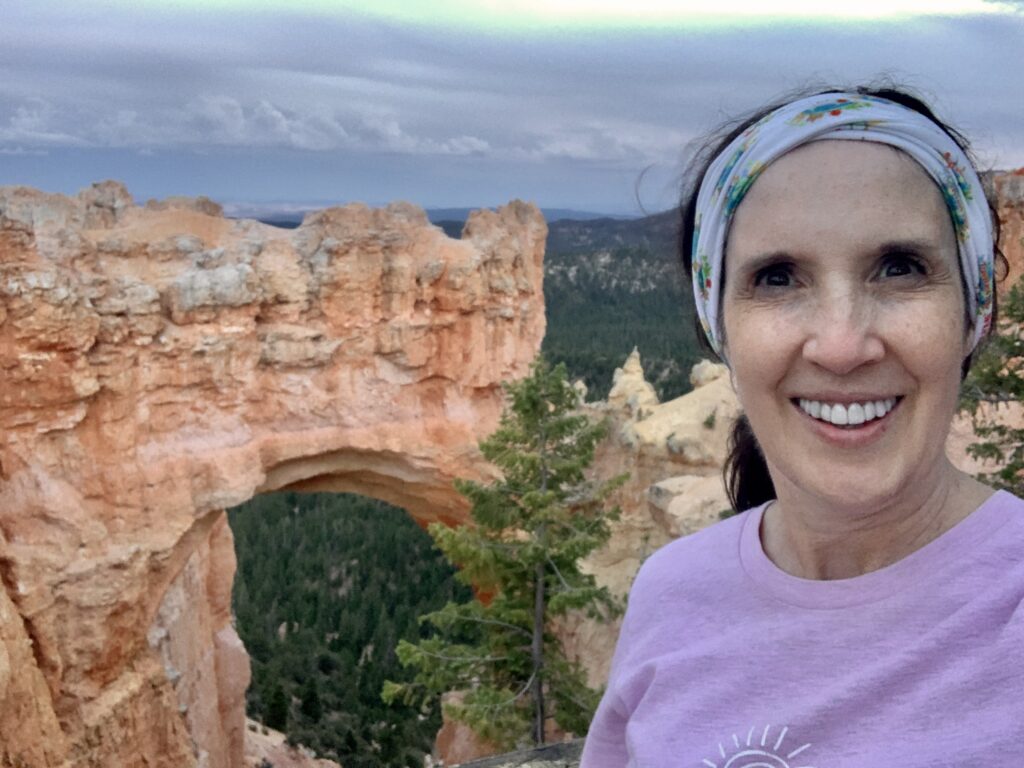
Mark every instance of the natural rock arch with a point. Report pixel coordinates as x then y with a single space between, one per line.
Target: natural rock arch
162 363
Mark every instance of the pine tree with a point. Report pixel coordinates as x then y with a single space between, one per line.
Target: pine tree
277 709
529 531
310 704
996 379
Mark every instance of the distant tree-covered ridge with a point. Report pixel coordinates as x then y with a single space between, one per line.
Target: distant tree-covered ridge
327 585
612 285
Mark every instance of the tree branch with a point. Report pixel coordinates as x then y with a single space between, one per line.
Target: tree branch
496 623
558 573
464 659
522 690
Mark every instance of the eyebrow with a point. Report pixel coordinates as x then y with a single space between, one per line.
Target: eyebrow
908 244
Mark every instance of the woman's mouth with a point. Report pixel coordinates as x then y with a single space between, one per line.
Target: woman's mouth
848 415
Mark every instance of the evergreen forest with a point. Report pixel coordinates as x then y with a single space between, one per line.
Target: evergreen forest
599 309
327 585
611 285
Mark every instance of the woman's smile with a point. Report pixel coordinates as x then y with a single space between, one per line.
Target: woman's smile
853 412
851 424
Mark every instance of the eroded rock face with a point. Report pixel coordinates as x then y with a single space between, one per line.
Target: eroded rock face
1009 188
264 745
673 452
161 363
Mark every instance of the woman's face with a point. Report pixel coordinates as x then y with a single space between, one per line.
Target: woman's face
842 289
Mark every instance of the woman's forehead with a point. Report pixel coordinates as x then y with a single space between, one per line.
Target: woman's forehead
853 190
841 166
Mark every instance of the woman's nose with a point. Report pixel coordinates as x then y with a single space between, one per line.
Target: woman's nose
845 333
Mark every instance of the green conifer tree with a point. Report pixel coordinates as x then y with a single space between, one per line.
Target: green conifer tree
277 709
310 704
529 531
996 379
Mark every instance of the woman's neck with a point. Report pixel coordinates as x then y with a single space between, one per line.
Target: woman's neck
812 539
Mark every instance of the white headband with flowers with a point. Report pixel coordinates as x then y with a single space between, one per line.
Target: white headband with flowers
841 116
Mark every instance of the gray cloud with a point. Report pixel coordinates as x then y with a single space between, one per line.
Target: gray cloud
98 78
22 152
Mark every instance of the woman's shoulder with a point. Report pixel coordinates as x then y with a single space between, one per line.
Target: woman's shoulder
689 578
1003 508
1007 500
997 507
695 558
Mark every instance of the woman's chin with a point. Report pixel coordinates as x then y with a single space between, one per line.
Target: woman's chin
842 489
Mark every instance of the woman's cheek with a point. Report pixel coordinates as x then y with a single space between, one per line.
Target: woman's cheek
925 329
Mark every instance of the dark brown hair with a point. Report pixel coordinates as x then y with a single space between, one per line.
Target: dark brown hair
747 480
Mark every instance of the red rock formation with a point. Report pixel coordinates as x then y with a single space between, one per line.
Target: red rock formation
160 364
264 745
1009 188
456 742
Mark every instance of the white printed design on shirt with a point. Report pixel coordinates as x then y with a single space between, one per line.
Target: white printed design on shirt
762 751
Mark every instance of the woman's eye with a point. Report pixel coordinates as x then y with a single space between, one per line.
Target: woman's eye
778 276
900 266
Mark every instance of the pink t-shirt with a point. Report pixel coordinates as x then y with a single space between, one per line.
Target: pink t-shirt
727 661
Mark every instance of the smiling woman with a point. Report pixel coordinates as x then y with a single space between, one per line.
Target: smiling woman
858 301
866 607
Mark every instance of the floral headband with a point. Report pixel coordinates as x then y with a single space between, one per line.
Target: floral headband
841 116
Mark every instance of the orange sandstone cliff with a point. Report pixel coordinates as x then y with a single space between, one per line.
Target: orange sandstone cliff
161 363
1009 193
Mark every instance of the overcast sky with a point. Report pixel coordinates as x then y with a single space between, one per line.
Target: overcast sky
452 102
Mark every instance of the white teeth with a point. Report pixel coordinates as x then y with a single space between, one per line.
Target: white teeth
855 414
842 415
839 417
